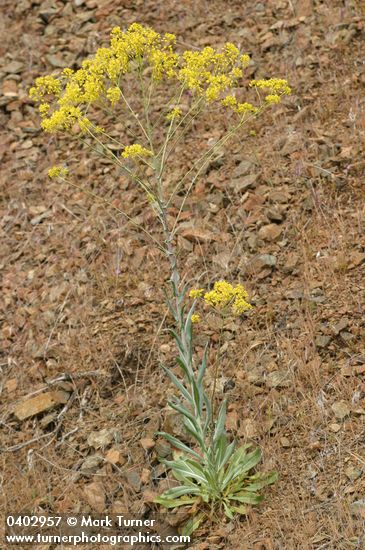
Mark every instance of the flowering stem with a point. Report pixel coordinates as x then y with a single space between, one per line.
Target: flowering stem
134 115
216 366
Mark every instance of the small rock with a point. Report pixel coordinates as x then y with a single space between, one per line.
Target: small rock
14 67
11 385
275 215
178 518
358 508
55 61
249 428
277 379
253 204
134 480
240 185
91 464
252 242
341 409
145 476
243 169
95 496
322 341
334 427
48 419
174 424
263 262
163 448
341 325
37 209
10 88
103 438
267 260
346 336
353 473
280 196
222 259
196 234
113 456
40 403
290 264
38 219
270 232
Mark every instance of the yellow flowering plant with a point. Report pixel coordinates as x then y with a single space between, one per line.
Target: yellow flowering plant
83 103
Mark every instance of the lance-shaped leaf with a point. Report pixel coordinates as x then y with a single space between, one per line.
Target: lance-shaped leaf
195 432
262 481
173 502
247 498
179 385
177 492
179 444
189 469
224 453
220 425
192 524
242 510
240 464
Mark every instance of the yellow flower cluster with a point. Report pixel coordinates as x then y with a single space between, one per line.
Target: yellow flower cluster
272 99
224 295
208 73
135 150
275 86
113 94
57 172
195 318
240 108
175 113
45 85
98 79
196 293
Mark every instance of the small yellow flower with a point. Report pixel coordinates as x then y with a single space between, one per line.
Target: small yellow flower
57 172
229 101
135 150
176 112
196 293
244 108
245 60
272 98
113 94
224 295
275 85
44 108
45 85
68 72
195 318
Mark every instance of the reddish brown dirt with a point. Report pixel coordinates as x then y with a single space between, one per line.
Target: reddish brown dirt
82 291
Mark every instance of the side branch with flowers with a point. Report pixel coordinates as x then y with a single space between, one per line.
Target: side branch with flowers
214 475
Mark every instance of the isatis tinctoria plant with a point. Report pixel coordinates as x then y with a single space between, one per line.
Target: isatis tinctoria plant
112 104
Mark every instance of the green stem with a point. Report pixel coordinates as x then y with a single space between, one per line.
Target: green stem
216 367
